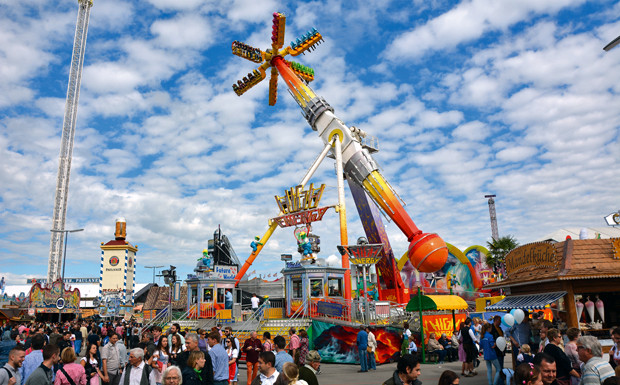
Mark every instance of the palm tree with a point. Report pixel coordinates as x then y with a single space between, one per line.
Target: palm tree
498 249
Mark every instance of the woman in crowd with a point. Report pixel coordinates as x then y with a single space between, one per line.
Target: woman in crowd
448 377
70 369
304 346
172 376
434 347
290 371
564 368
527 374
471 352
161 359
202 340
233 354
91 366
570 349
195 363
176 348
487 343
614 352
267 343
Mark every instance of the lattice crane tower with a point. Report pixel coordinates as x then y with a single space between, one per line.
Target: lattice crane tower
66 148
494 231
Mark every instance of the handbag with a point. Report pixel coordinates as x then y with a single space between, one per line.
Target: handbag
369 349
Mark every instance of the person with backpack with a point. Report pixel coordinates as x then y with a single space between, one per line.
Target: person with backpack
9 373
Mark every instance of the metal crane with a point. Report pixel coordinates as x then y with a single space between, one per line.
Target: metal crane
66 148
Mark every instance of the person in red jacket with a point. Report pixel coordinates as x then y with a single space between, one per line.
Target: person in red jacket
252 348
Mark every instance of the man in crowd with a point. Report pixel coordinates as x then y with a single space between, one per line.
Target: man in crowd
496 332
33 359
191 344
407 372
281 355
219 359
175 329
65 341
172 376
137 372
75 330
9 373
362 344
294 342
547 366
111 359
310 369
156 334
266 366
43 375
228 334
252 348
595 370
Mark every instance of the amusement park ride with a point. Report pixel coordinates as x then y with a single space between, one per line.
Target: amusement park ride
299 206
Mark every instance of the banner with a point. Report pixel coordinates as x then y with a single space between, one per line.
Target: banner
440 324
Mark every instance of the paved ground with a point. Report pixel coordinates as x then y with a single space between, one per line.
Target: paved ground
334 374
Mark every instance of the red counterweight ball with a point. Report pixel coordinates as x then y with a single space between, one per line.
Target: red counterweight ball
428 252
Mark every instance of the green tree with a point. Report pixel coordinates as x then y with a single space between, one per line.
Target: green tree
498 249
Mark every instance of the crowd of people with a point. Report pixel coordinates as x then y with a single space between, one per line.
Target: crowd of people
569 359
113 353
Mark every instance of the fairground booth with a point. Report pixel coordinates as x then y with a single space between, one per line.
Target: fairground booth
578 280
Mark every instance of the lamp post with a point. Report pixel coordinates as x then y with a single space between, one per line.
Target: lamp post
64 259
154 267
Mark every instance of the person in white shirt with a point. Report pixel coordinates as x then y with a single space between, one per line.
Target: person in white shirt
255 302
266 367
137 368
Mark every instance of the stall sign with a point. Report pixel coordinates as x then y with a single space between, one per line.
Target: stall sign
45 299
440 324
329 308
224 272
540 254
292 265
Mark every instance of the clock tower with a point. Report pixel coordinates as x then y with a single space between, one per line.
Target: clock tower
118 266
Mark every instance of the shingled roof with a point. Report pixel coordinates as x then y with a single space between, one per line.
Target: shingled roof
574 259
158 299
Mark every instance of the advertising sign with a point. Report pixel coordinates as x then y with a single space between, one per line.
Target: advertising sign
441 323
329 308
537 254
223 272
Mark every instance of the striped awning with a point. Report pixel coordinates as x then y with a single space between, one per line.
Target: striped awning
529 302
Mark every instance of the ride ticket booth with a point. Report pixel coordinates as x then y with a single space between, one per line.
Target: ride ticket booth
207 293
313 282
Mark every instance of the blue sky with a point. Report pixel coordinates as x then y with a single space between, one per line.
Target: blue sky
514 98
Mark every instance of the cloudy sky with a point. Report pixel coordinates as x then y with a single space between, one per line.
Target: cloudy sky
514 98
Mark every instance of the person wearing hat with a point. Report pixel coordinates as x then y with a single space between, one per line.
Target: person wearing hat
309 370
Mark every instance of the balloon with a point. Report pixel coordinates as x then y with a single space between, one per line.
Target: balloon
508 320
512 311
500 342
519 315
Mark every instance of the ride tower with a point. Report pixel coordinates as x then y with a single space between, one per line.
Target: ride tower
66 148
427 252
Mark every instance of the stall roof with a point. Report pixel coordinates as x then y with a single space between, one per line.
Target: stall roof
529 302
437 302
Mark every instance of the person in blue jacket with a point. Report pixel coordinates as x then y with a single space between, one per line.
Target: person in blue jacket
487 343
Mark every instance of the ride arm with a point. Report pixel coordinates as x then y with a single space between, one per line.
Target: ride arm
252 257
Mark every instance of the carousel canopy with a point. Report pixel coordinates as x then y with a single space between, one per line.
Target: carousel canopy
437 302
529 302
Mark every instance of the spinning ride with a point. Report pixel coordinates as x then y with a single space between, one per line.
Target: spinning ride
427 252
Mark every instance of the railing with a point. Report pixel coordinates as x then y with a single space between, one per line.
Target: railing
251 323
203 311
159 319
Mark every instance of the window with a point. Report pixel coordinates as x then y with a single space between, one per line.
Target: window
221 292
194 295
297 288
207 295
316 287
334 287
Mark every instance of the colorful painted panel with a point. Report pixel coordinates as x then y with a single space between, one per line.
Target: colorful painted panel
45 299
336 343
